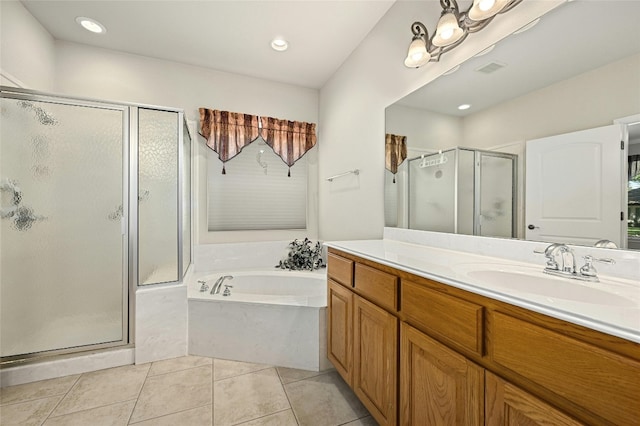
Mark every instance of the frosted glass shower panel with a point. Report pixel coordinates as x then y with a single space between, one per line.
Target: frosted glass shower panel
186 199
62 250
496 195
157 196
431 192
465 192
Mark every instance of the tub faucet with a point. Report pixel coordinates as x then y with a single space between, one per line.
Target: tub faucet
216 287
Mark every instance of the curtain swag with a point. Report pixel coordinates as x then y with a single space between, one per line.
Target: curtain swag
395 152
228 132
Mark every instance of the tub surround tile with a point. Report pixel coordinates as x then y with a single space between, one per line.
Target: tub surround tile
201 416
111 415
283 418
178 364
66 367
28 413
248 397
173 392
223 369
324 400
31 391
104 387
161 323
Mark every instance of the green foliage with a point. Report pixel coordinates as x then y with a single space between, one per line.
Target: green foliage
303 255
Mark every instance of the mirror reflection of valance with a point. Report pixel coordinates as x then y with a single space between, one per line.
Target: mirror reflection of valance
395 152
228 132
289 139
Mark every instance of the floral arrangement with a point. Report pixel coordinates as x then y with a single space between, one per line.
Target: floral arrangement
303 255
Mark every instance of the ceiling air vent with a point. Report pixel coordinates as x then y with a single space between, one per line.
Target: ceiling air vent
490 67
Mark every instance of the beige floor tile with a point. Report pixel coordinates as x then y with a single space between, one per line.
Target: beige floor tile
201 416
28 413
223 369
173 392
37 390
104 387
283 418
324 400
365 421
289 375
248 397
177 364
111 415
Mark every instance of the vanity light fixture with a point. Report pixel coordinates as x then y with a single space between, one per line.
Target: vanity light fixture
91 25
452 28
279 44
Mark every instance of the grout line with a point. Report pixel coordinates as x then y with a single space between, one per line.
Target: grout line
262 417
284 388
179 370
64 396
169 414
243 374
213 390
139 393
89 409
319 373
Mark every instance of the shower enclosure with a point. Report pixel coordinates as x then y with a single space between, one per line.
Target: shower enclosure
463 191
95 201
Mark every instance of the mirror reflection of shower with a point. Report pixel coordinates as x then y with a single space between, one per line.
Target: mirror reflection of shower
434 162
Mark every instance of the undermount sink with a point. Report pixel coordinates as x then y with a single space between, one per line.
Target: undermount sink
534 282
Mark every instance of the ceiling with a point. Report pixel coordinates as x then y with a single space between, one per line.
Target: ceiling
232 36
574 38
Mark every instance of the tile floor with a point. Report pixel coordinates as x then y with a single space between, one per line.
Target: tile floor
189 391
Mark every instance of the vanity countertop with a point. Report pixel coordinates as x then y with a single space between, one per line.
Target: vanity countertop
611 306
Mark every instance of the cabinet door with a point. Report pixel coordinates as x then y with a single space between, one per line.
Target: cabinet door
340 329
375 360
509 405
438 386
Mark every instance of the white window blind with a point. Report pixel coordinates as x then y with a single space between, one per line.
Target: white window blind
248 199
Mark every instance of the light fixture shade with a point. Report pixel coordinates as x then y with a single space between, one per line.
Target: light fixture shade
484 9
417 55
448 30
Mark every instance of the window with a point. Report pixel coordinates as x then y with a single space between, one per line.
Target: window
256 193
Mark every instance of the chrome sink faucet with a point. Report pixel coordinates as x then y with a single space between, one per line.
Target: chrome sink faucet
216 287
566 267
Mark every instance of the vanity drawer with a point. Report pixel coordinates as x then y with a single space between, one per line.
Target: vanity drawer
446 317
377 286
604 383
340 269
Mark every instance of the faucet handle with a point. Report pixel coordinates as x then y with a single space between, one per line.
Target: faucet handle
226 291
203 285
588 270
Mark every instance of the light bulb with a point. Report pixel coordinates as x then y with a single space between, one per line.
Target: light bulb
485 5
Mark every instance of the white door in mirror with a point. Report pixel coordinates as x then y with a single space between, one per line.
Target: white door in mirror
574 187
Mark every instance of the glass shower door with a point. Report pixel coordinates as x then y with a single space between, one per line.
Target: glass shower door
62 227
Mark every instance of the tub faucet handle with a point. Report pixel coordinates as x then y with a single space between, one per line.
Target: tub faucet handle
203 285
226 291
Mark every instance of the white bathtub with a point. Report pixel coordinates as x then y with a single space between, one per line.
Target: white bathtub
274 317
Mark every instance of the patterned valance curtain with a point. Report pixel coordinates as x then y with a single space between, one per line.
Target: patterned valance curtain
634 166
228 132
289 139
395 152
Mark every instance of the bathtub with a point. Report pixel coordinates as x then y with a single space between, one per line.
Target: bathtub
274 317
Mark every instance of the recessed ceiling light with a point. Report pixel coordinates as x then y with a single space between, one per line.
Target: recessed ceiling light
452 70
279 44
91 25
464 106
527 27
485 51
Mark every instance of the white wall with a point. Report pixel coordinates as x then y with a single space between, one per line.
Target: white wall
105 74
352 105
26 49
589 100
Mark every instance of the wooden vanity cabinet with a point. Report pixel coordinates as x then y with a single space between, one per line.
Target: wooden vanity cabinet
437 385
418 352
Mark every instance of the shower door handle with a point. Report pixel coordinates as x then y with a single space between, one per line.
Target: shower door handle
532 227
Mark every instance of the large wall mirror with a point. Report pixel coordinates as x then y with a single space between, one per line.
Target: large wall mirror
537 154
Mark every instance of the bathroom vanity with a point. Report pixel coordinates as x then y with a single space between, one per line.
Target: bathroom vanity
420 344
